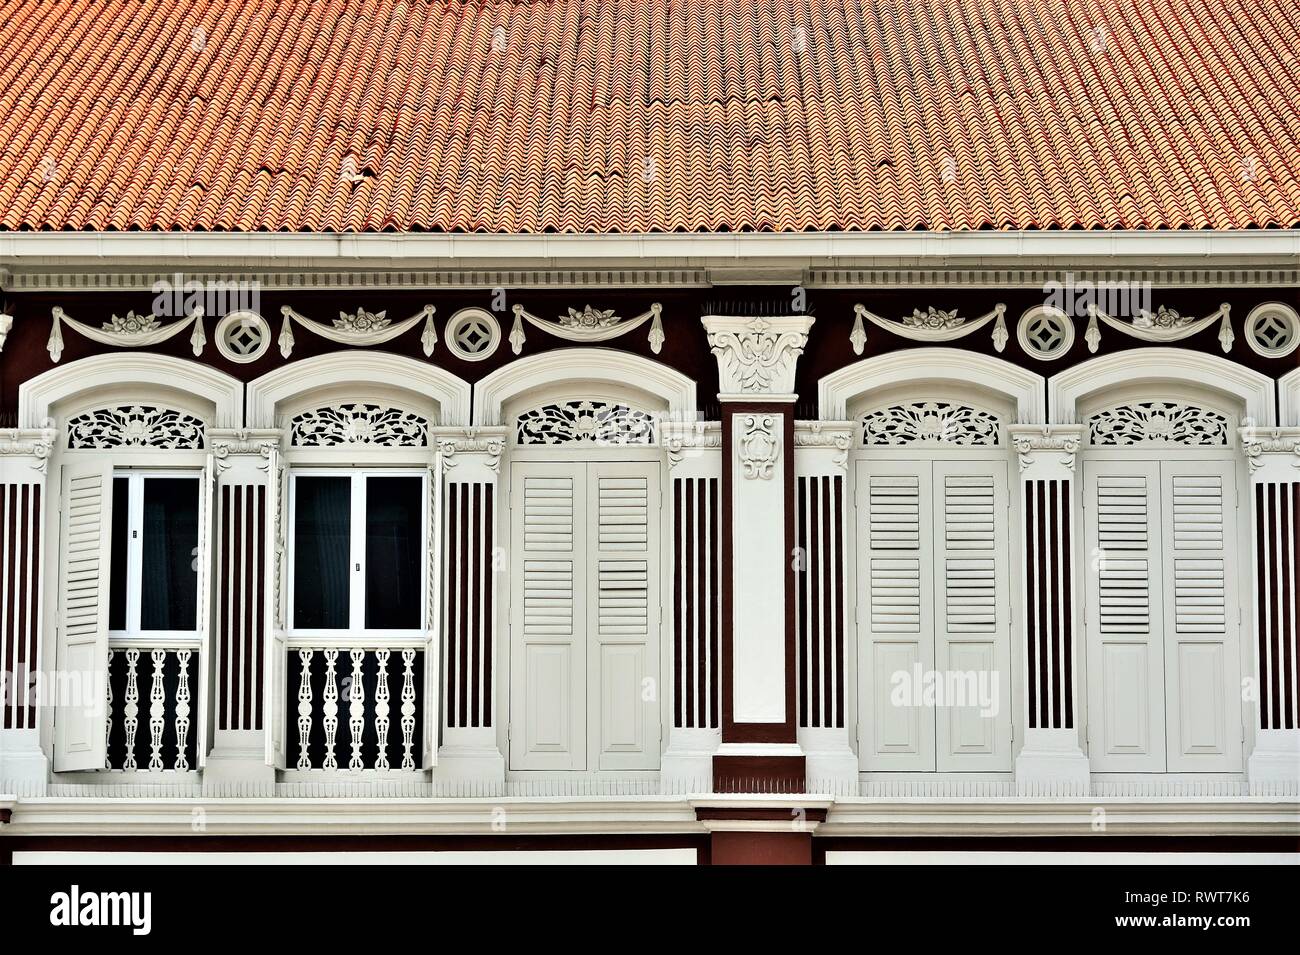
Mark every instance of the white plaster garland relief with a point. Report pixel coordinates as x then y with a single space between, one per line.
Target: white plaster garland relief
128 331
1045 332
135 426
1162 326
759 446
589 325
930 422
1158 422
931 325
1273 330
757 355
472 334
585 422
358 425
362 329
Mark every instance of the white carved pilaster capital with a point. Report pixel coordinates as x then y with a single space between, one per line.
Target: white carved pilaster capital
460 446
1273 453
691 440
28 447
243 446
1050 450
829 442
757 356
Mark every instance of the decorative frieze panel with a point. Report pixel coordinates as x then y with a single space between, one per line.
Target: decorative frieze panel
1162 326
757 356
931 325
585 422
362 329
135 426
930 422
129 331
1158 422
589 325
358 424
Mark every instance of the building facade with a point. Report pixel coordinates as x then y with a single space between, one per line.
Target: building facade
657 543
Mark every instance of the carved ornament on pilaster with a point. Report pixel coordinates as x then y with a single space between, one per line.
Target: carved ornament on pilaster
836 435
757 356
759 445
682 439
1260 445
229 443
486 441
1060 442
33 443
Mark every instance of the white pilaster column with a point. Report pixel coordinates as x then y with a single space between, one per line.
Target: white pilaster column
24 459
756 369
821 461
470 465
695 470
1051 761
242 550
1274 458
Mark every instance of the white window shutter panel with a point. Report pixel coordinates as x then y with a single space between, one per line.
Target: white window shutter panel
275 665
204 568
86 521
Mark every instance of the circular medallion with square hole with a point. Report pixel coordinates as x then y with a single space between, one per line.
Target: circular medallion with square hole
1273 330
243 336
1045 332
472 334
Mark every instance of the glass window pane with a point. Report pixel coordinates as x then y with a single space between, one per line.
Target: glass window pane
169 591
322 535
121 540
393 579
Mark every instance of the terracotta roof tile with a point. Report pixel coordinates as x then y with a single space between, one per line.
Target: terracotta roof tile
649 115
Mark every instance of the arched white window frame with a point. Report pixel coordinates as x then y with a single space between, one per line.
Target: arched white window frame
131 377
579 372
1288 390
355 376
947 366
1178 366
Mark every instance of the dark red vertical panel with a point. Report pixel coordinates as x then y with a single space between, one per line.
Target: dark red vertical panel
690 627
248 541
221 625
21 600
475 573
715 570
1261 598
1274 619
679 585
838 576
8 639
256 592
1057 581
1031 595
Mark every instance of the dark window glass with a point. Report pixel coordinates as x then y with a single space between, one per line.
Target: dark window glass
393 578
321 552
121 540
169 582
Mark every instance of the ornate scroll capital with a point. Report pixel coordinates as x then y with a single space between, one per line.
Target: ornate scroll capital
757 356
685 440
1273 453
231 445
1047 447
482 444
835 437
31 446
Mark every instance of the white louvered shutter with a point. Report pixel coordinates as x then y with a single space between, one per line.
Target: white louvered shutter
548 672
623 610
972 619
86 521
894 516
1125 616
1202 703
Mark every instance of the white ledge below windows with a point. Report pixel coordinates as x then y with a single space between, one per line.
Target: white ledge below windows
850 816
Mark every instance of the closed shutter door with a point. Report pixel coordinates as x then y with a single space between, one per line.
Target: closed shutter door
86 519
623 605
972 606
548 705
1124 611
895 608
1202 705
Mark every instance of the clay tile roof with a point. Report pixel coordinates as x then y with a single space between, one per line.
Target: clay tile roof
532 116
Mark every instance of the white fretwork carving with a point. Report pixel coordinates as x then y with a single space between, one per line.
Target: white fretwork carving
381 709
585 422
757 356
930 422
182 708
589 325
760 446
931 325
358 424
304 709
408 709
1158 422
135 426
330 707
